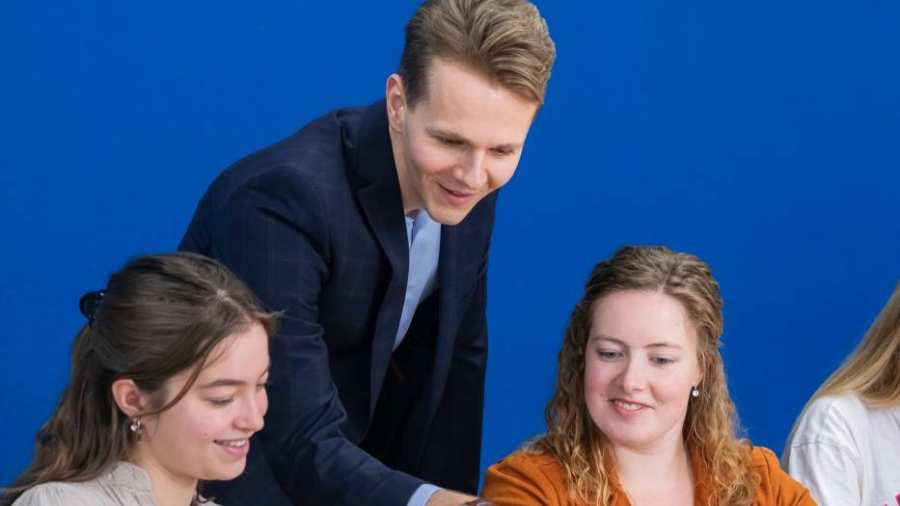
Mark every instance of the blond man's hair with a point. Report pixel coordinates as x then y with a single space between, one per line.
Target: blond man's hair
711 423
507 40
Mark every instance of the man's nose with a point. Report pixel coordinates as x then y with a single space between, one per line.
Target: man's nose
473 171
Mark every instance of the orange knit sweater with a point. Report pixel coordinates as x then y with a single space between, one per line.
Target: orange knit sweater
530 479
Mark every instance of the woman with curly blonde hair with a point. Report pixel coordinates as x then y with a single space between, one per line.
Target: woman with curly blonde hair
641 414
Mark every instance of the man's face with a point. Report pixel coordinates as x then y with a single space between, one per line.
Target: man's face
459 142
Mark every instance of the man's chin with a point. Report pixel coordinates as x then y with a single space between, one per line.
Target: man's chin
450 209
447 215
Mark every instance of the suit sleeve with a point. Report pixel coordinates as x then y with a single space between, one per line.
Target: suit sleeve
274 234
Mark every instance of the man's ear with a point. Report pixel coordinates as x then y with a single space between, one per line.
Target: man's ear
395 97
129 398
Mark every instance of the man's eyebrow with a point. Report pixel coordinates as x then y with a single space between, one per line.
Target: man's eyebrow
447 134
438 132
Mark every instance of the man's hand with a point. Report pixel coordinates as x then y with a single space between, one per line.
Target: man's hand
450 498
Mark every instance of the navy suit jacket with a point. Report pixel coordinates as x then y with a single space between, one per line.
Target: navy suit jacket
315 226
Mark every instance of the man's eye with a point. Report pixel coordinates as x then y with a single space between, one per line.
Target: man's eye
449 142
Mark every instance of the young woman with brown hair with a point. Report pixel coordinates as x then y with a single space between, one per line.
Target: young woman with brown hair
167 385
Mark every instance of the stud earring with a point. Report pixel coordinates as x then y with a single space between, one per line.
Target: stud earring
695 392
136 426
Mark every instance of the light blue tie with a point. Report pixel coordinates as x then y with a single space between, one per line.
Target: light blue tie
424 240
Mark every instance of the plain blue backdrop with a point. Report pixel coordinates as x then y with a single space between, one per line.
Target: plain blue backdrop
762 136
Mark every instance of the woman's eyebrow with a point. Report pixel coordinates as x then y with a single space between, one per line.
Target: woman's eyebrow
223 382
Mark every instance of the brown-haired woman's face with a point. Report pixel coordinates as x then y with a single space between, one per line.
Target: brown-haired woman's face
640 365
206 435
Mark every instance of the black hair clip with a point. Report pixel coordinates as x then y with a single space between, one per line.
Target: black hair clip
89 303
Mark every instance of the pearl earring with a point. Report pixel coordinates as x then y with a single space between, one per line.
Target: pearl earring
136 426
695 392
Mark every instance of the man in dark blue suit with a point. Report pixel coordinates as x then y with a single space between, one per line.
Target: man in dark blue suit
370 228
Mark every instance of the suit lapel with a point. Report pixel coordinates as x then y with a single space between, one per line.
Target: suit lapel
448 312
447 326
374 176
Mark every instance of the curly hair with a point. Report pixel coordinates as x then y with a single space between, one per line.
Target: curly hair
710 425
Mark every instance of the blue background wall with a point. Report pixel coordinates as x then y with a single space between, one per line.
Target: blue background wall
762 136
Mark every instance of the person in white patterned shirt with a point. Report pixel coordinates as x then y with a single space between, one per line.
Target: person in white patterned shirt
845 445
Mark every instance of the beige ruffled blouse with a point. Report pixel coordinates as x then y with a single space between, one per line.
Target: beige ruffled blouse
124 485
